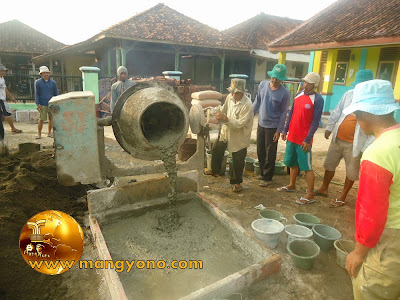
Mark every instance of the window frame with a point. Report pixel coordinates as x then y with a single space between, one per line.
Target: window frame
345 74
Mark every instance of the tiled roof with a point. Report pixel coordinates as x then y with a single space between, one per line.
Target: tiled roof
161 23
346 21
262 29
15 36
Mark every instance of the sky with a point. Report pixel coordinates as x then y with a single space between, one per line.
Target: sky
73 21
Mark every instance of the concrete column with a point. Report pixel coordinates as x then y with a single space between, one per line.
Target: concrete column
212 68
118 57
109 62
90 77
33 68
177 58
123 56
194 70
51 65
311 62
329 78
372 60
282 58
221 74
317 61
397 87
363 59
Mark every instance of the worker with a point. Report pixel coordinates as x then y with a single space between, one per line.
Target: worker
302 122
45 89
348 141
120 86
377 250
272 102
4 108
237 117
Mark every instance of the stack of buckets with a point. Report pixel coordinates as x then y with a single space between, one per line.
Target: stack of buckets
301 248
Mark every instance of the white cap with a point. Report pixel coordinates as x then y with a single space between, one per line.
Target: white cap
312 77
43 69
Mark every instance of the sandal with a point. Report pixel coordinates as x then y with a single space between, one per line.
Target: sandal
16 130
264 183
237 189
50 135
337 203
285 189
320 194
304 201
209 172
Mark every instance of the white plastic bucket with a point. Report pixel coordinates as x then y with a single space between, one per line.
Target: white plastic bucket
297 232
268 231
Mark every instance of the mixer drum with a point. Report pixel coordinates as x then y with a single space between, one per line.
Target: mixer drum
147 118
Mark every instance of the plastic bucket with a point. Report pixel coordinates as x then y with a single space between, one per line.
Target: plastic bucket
303 253
306 219
249 163
223 163
257 170
268 231
343 247
297 232
271 214
279 168
325 235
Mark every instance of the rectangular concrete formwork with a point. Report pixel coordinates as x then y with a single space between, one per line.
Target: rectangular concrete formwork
267 264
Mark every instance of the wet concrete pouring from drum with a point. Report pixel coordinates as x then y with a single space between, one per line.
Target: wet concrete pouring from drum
184 231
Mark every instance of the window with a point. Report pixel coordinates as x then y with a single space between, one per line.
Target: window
342 66
341 73
386 70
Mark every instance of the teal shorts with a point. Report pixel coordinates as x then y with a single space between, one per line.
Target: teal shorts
295 156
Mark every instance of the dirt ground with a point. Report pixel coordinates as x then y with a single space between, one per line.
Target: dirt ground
28 185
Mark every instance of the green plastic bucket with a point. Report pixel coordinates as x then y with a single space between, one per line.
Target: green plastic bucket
343 247
279 168
249 163
303 253
257 170
325 236
306 219
271 214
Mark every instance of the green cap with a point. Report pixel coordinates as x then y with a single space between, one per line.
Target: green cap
278 72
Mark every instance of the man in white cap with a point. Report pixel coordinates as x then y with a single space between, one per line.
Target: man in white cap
377 249
45 89
4 108
237 117
120 86
302 122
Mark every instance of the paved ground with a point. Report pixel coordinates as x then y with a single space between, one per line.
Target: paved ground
325 281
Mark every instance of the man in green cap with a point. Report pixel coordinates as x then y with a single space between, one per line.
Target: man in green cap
348 141
271 103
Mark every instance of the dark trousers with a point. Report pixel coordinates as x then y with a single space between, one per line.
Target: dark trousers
1 129
266 151
236 170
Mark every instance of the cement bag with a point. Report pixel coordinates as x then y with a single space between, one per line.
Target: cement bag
206 103
203 95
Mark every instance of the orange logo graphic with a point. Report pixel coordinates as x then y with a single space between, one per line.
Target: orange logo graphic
51 242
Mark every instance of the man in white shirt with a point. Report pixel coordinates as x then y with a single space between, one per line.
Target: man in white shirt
4 109
237 117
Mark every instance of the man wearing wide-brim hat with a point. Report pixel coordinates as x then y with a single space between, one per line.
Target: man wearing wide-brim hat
302 123
45 89
348 141
272 102
237 117
377 216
